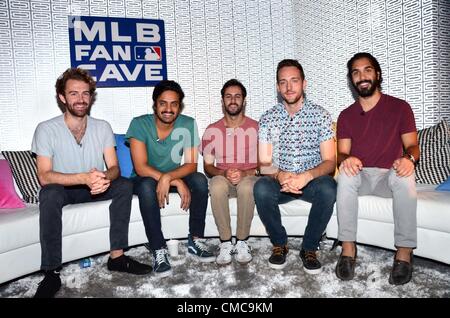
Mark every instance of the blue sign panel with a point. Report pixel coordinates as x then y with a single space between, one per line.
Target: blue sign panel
119 51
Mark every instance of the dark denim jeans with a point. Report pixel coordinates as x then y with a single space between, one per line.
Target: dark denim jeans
145 188
321 192
53 197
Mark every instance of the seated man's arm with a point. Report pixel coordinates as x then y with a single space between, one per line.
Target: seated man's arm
404 166
112 164
46 175
350 165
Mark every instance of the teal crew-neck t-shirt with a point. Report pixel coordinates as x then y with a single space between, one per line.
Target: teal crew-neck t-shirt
164 155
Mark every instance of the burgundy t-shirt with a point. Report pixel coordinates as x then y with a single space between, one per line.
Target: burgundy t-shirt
376 134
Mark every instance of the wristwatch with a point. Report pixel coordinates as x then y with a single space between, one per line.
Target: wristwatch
411 158
257 172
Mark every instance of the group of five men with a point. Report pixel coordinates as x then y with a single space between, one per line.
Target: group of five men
288 155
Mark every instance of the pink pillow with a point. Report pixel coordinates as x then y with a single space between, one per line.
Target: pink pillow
8 196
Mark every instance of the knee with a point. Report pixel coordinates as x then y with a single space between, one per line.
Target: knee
327 188
344 180
264 188
52 193
245 187
198 182
218 186
401 183
123 186
145 187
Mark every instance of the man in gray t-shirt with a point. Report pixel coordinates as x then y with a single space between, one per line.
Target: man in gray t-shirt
76 163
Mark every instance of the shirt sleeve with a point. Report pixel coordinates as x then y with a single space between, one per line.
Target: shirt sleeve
408 123
207 139
264 135
326 127
135 131
109 136
42 144
342 130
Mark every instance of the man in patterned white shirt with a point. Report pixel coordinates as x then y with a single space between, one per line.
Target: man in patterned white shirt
297 156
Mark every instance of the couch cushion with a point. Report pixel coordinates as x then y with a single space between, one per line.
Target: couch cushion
8 196
432 209
444 186
433 166
23 167
123 155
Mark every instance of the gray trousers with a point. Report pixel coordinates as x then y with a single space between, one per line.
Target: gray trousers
384 183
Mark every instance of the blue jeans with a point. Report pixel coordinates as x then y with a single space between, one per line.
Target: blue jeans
320 192
52 199
145 188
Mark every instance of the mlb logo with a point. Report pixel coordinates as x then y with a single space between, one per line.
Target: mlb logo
147 53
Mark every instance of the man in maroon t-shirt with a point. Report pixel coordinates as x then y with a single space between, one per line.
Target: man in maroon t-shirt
377 151
230 148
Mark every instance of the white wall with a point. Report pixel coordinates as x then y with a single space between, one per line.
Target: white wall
211 41
410 39
208 42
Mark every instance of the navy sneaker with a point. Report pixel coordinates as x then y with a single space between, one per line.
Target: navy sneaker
311 264
198 248
161 265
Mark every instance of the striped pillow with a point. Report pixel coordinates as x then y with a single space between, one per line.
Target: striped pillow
433 166
23 167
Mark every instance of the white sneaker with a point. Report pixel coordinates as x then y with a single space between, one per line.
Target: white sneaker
226 253
243 252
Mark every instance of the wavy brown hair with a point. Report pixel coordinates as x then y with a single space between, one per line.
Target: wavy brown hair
74 74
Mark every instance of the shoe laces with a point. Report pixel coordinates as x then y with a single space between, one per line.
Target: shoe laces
160 256
310 256
242 247
226 248
199 244
279 250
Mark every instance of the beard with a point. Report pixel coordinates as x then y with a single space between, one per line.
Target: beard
367 91
292 99
234 112
74 111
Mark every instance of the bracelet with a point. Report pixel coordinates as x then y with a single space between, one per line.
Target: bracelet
411 158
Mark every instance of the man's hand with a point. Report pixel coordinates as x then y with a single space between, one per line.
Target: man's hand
403 167
282 176
184 192
162 190
295 183
234 175
97 181
351 166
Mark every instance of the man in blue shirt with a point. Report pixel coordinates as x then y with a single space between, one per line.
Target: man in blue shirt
297 154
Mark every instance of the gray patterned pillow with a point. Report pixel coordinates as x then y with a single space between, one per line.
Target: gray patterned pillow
24 169
433 166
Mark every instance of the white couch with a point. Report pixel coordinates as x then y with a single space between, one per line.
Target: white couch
86 228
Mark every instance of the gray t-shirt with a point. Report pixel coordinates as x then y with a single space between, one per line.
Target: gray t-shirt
54 140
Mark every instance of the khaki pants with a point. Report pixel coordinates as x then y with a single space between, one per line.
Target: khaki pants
220 190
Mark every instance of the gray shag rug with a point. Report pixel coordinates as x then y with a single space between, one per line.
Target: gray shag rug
255 280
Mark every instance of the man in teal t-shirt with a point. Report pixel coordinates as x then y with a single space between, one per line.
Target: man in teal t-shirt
158 142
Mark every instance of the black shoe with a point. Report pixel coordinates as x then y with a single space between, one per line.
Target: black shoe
126 264
401 271
310 262
345 267
50 285
278 258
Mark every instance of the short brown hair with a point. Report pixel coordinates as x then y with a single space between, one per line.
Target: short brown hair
290 62
74 74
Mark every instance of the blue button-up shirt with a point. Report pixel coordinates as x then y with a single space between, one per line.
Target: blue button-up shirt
296 140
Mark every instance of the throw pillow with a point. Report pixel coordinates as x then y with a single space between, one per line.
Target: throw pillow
8 196
123 155
444 186
24 170
433 166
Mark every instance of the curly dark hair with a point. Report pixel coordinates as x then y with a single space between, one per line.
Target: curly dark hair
74 74
167 85
372 60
